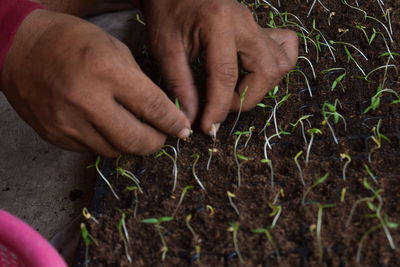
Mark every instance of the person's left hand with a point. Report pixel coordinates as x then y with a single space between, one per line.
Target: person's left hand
226 31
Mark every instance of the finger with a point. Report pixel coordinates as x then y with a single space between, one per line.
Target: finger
149 103
288 41
86 134
267 63
179 79
125 132
222 75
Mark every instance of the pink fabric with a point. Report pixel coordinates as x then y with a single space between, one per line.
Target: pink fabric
27 244
12 13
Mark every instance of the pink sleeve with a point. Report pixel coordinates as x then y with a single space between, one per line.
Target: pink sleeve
12 13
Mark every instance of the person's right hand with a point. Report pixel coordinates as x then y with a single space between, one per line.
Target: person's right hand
81 89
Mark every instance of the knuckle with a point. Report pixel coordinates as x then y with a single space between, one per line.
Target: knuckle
226 73
131 143
155 109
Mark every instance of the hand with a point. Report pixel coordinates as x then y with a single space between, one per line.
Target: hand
225 30
81 89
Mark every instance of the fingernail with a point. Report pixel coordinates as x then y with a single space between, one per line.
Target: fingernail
214 130
184 133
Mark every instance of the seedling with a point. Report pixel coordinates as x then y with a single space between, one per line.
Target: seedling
250 133
96 166
311 132
123 233
184 191
313 4
347 158
134 189
377 210
296 160
234 228
300 121
88 240
311 65
276 212
230 197
317 182
269 163
239 159
88 216
157 224
377 138
304 76
268 235
242 96
211 210
212 150
376 99
174 160
321 208
329 110
131 176
196 157
196 238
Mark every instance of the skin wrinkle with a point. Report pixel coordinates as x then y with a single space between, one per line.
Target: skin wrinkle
94 90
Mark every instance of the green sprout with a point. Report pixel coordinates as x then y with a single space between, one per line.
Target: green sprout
196 157
268 235
97 167
296 160
297 69
300 121
196 238
88 216
212 150
317 182
376 99
269 163
276 213
239 159
249 135
234 228
131 176
371 38
174 160
368 170
242 97
339 79
123 233
345 156
184 191
134 189
88 240
157 224
328 111
311 65
321 208
211 210
230 197
377 138
376 213
312 132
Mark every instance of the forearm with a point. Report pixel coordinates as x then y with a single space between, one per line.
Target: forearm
88 7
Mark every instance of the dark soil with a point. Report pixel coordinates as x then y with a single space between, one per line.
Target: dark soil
294 233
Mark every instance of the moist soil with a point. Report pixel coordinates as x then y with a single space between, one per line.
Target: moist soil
294 234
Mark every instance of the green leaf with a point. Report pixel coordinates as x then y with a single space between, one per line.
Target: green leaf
258 231
265 161
322 179
150 220
165 219
242 157
187 188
